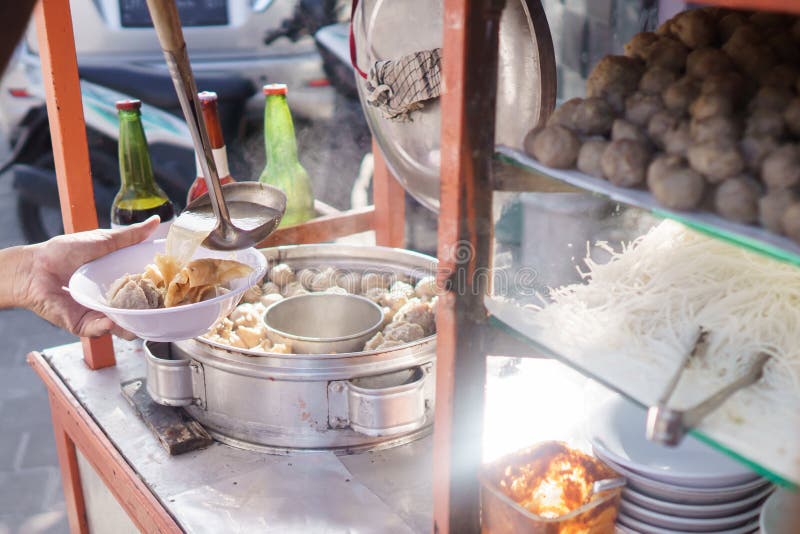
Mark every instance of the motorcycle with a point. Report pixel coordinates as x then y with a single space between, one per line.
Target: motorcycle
31 162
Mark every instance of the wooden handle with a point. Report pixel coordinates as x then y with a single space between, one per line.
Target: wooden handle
167 24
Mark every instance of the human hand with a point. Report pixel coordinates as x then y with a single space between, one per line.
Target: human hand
50 266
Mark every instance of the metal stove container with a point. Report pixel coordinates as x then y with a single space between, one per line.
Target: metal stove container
288 402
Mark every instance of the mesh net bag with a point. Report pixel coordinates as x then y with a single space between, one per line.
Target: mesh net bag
400 86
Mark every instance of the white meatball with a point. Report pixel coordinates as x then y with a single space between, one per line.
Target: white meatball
417 312
281 274
426 287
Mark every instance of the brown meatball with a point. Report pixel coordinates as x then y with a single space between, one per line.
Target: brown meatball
716 160
791 116
770 21
680 94
790 222
625 162
771 208
564 115
593 116
667 53
703 62
781 168
753 59
622 129
710 105
755 150
764 122
729 83
639 107
714 128
660 123
640 44
614 78
795 30
783 46
728 24
678 140
673 184
737 199
782 76
656 80
694 28
554 146
771 97
591 156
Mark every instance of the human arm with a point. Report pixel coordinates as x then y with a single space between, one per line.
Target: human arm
33 276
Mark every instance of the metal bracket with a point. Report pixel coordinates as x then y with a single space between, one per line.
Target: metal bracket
198 384
338 405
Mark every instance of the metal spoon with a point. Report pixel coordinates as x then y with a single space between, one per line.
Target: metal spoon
225 236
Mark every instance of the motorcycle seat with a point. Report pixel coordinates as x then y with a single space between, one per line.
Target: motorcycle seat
155 87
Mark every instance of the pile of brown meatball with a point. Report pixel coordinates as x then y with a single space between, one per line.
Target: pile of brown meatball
705 111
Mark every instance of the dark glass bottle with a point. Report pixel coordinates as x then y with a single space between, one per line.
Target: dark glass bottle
283 170
139 196
208 104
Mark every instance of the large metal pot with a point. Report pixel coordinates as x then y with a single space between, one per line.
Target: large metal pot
281 402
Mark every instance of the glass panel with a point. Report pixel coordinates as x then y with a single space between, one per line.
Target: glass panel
542 239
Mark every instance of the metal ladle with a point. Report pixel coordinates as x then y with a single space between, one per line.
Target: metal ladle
225 236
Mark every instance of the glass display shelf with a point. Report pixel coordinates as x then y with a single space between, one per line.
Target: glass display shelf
743 235
540 240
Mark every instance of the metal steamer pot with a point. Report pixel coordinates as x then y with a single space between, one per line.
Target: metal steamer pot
287 402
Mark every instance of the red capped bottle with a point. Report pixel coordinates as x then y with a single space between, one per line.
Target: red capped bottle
208 104
139 196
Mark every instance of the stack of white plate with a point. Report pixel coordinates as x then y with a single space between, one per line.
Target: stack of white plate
689 488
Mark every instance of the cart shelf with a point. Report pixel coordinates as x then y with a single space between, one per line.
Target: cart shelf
748 440
742 235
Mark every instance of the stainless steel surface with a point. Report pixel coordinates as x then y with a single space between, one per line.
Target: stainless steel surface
225 489
225 236
169 382
669 426
607 484
323 323
275 402
526 84
389 404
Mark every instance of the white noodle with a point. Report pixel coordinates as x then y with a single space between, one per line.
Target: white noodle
649 300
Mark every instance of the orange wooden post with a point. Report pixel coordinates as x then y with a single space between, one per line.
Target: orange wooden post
70 476
465 228
68 134
389 199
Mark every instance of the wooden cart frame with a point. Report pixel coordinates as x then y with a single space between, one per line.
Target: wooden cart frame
467 148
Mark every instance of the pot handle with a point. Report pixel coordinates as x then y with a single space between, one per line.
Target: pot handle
389 404
170 382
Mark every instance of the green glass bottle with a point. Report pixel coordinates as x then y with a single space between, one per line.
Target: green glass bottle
283 170
139 195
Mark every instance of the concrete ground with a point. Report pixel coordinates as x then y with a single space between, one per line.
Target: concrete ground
31 500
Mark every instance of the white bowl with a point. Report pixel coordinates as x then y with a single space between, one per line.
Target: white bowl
89 284
701 511
683 494
641 527
617 430
781 513
689 524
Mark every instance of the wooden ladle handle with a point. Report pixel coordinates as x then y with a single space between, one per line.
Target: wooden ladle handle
167 24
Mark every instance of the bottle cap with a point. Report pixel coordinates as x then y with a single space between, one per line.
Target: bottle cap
275 89
206 97
129 104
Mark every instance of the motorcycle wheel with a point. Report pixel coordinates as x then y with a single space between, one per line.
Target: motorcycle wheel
40 223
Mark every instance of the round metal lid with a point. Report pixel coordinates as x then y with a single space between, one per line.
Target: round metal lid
526 82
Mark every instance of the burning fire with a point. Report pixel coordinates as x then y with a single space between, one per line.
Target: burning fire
556 481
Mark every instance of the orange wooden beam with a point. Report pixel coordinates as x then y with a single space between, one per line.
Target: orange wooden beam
68 134
390 204
77 429
324 228
469 63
